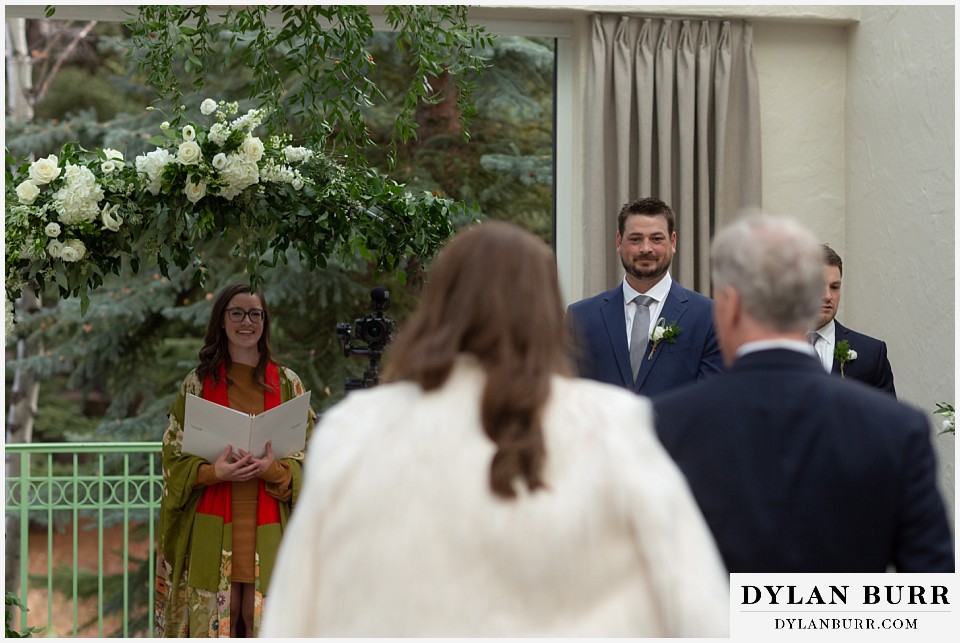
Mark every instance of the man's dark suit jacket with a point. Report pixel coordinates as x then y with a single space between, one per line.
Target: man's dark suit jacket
797 472
871 366
600 335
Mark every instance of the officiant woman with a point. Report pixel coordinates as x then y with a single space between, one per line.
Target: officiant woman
484 492
221 522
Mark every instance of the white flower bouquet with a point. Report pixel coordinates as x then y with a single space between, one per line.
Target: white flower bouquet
74 217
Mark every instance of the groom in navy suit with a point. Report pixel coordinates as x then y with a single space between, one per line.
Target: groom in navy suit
795 470
869 363
611 347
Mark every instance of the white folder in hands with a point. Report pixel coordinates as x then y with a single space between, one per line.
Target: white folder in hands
209 427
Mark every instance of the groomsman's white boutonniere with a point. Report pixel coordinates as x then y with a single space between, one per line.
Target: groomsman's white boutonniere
949 417
663 332
843 353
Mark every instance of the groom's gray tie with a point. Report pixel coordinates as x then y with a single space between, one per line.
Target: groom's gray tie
639 332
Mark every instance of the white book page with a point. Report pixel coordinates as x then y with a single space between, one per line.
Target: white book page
285 426
209 427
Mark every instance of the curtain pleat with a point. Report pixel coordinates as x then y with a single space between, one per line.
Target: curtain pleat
672 111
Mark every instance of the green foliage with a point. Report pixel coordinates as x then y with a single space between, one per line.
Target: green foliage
74 90
315 60
11 601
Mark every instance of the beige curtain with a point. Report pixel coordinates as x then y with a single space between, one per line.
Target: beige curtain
671 110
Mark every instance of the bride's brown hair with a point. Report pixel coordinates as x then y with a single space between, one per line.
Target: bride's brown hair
492 292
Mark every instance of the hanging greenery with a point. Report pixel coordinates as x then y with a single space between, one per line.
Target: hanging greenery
73 218
314 58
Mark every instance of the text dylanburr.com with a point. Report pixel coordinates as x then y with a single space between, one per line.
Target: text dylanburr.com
905 607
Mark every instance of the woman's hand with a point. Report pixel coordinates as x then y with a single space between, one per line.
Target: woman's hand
264 463
236 467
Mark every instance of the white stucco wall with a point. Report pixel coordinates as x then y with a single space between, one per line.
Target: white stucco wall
899 269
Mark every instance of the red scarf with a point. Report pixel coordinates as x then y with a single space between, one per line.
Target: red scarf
217 499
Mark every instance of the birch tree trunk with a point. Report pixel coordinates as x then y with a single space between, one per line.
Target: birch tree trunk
25 390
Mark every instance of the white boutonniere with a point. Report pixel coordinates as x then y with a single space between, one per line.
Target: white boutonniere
843 354
663 332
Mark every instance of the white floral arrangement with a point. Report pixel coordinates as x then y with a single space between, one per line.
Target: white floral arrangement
74 217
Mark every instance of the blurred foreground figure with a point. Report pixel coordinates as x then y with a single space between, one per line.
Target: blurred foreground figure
483 492
795 470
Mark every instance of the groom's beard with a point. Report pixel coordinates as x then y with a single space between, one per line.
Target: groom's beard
659 269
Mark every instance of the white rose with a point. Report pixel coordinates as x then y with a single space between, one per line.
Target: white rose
165 125
27 192
189 153
297 183
44 170
111 222
657 334
52 229
208 107
54 248
195 191
189 133
220 161
73 250
852 355
252 148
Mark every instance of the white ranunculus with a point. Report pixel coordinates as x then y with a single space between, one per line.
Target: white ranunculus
44 170
151 165
208 107
79 198
252 147
220 161
54 248
73 250
52 229
852 355
27 192
657 334
189 133
111 221
195 191
189 153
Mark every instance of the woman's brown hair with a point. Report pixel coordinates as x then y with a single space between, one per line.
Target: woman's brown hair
492 292
215 349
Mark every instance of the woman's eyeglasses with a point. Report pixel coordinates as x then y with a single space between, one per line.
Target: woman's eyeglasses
236 315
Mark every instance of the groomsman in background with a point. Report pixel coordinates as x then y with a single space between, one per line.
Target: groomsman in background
862 357
612 330
794 470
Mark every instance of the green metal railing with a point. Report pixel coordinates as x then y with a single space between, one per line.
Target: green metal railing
103 485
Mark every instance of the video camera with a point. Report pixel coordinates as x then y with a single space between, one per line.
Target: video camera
375 331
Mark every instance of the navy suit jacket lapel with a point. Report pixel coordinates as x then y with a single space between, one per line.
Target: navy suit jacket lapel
616 326
672 311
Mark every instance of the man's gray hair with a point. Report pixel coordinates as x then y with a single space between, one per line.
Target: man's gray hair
776 267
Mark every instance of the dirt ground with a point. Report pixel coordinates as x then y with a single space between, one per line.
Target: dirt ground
62 622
